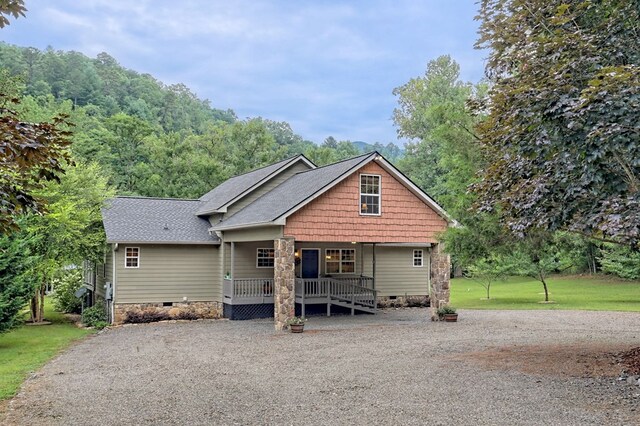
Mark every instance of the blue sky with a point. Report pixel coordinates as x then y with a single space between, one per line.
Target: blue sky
326 67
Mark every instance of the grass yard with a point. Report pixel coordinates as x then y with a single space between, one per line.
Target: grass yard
597 293
27 348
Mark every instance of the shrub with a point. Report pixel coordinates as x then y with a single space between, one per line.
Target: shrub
446 310
64 299
139 317
621 261
93 316
186 315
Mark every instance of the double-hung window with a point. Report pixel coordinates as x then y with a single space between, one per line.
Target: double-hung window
340 261
370 195
418 258
265 258
132 257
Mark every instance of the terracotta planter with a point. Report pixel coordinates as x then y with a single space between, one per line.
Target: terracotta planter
297 328
450 317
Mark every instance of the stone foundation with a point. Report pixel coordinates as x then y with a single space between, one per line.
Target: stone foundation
403 302
284 299
440 272
209 310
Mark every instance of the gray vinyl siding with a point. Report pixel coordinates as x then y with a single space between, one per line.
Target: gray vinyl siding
266 187
254 234
168 273
245 256
395 273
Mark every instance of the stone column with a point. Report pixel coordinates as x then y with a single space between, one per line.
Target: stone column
440 270
284 297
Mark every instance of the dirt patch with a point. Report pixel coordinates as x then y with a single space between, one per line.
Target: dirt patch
574 360
631 360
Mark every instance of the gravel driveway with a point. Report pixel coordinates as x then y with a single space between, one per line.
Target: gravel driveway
397 367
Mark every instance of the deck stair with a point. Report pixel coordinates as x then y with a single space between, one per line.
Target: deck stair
351 293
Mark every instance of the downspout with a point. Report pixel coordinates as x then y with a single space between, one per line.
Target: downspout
114 247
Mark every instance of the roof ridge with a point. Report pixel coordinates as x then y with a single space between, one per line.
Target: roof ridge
338 162
263 167
156 198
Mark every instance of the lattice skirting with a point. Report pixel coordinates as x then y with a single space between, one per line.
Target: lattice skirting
246 312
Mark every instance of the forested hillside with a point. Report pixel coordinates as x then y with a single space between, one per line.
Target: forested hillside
150 138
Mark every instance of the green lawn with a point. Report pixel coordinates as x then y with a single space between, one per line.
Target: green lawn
26 349
597 293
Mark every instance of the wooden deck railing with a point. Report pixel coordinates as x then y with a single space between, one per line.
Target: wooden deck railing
343 289
248 290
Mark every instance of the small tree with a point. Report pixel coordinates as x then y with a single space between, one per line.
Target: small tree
486 271
535 256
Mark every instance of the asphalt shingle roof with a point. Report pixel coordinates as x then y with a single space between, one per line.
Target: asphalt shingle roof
231 188
292 192
161 220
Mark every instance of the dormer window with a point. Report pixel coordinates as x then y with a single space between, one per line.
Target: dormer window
370 195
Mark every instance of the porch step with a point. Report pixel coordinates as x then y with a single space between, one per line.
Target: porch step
355 306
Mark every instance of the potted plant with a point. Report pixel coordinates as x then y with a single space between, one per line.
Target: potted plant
447 313
296 324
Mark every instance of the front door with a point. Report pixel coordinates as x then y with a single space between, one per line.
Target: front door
310 263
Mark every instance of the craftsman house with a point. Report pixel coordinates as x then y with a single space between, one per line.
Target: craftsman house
289 237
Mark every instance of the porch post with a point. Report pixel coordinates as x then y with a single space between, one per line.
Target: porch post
373 264
233 261
440 268
284 297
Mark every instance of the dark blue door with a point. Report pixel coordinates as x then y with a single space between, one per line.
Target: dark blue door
310 263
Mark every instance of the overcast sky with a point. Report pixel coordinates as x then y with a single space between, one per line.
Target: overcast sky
326 67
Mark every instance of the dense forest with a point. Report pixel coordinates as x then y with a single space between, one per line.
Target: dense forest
154 139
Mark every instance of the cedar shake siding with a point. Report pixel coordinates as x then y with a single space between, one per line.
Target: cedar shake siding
335 215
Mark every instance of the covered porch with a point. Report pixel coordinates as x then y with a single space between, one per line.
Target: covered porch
328 278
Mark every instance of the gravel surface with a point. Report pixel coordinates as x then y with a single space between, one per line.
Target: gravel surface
396 367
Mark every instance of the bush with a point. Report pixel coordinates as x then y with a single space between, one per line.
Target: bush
621 261
64 288
94 316
186 315
140 317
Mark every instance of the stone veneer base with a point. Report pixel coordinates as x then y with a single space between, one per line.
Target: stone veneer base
205 310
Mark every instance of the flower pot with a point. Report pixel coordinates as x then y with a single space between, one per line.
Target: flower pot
297 328
450 317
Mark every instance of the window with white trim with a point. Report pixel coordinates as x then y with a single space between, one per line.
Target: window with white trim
265 258
370 195
132 257
340 261
418 258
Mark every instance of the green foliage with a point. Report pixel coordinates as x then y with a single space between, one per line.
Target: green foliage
64 288
17 260
446 310
564 116
31 154
621 261
13 8
296 321
490 269
443 156
95 316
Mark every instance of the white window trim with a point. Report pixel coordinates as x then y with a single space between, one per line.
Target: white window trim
137 257
274 260
340 261
379 195
413 259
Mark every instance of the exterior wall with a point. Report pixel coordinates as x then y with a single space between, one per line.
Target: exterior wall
245 260
323 246
335 215
266 187
253 234
395 273
168 273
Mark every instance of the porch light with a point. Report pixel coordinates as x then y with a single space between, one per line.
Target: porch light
328 257
354 242
296 253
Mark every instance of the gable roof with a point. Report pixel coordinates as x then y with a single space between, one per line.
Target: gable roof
292 192
217 200
302 188
155 220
